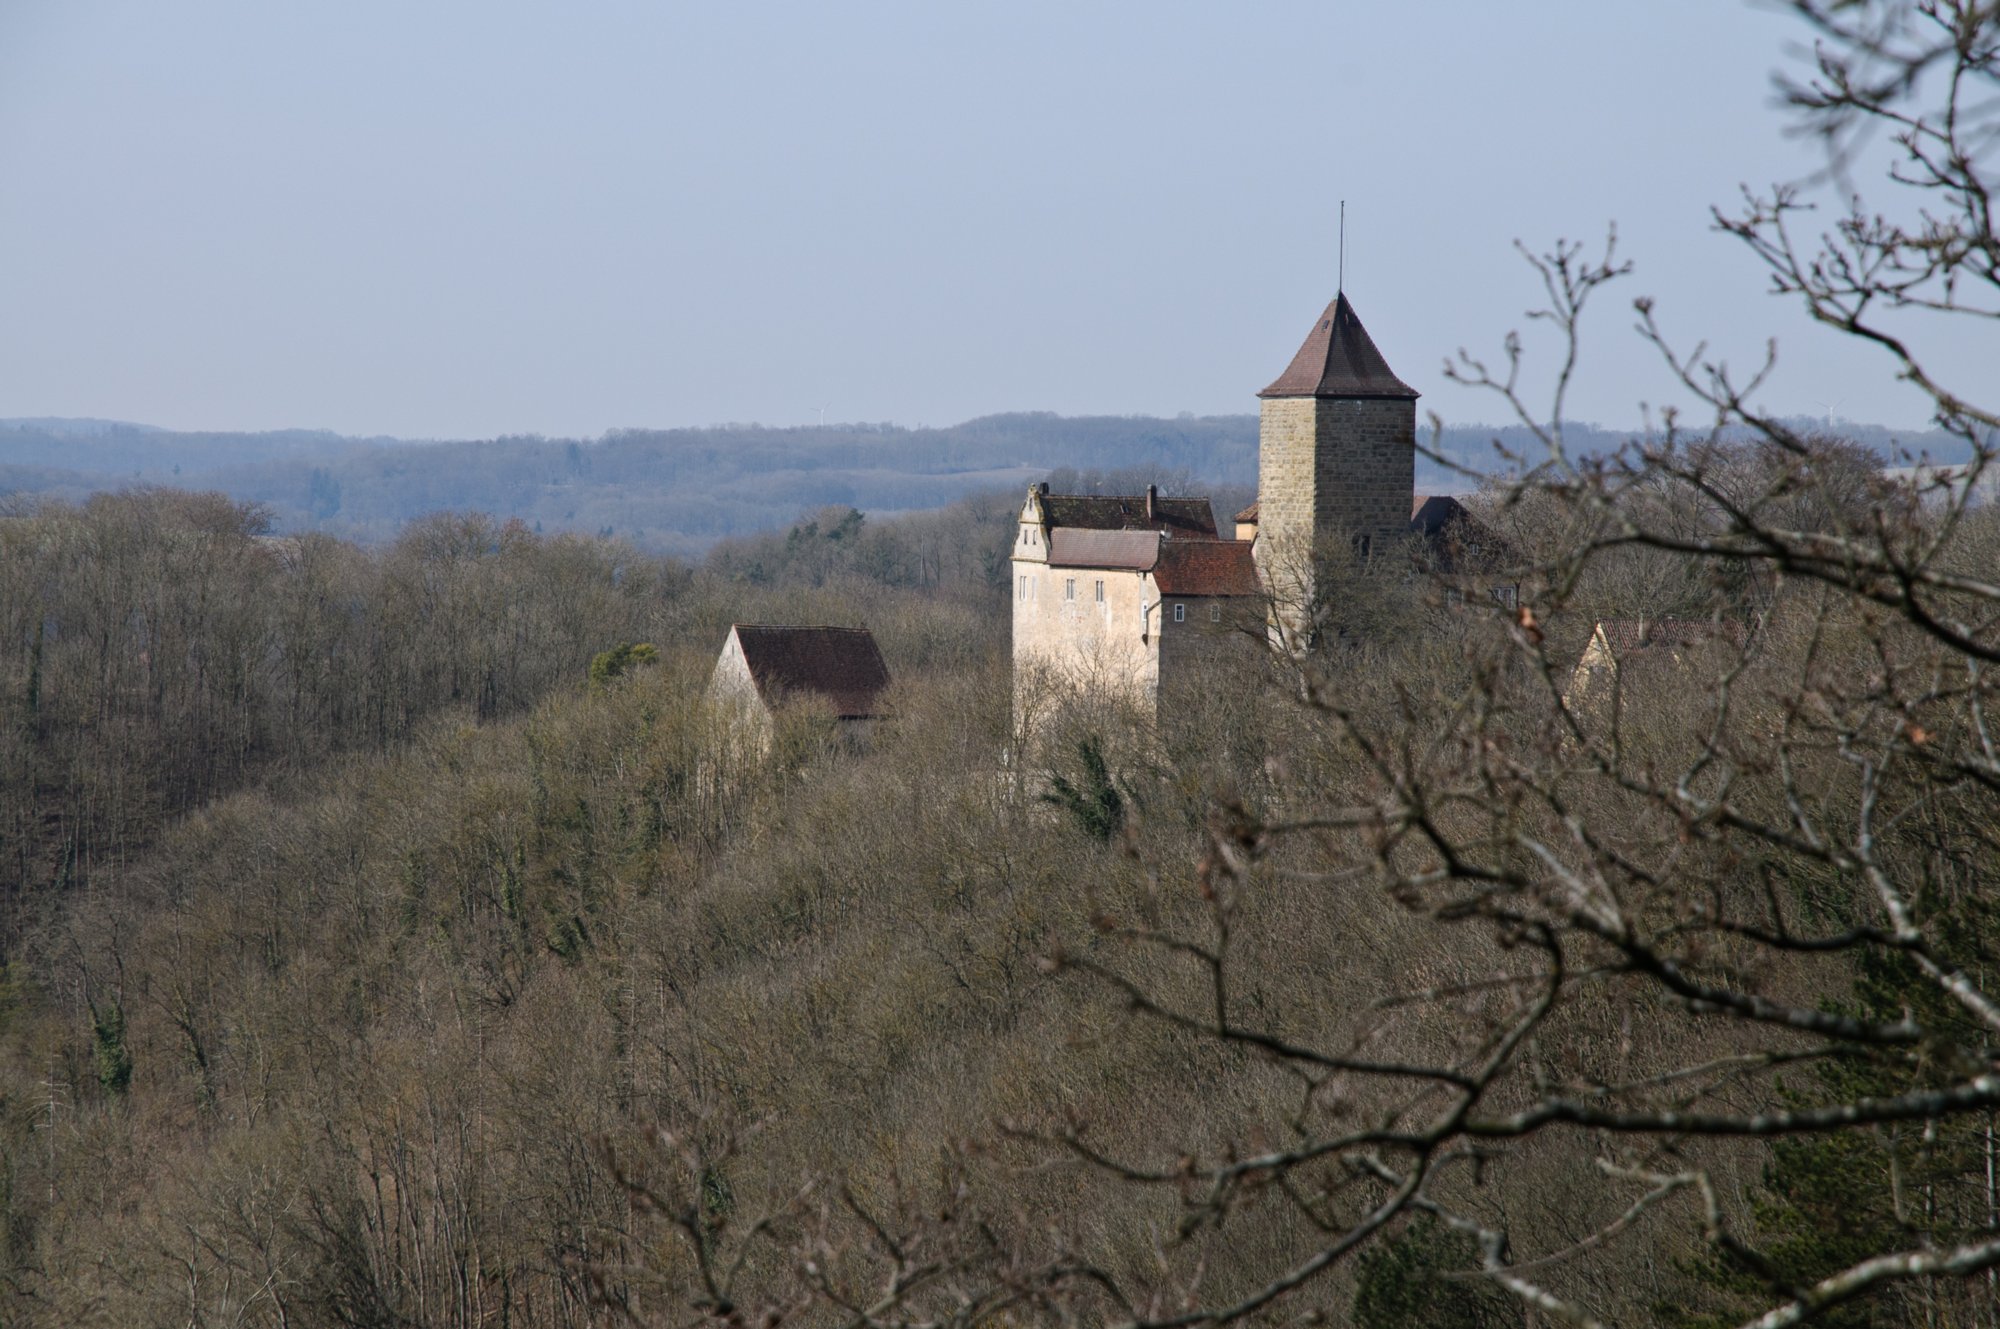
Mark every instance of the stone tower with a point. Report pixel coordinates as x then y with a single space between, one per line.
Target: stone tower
1336 463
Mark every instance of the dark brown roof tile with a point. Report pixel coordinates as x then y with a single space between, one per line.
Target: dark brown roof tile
1119 512
1630 635
841 665
1339 359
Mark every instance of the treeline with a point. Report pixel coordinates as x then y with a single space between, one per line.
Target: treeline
374 1027
358 1046
160 648
342 1048
244 722
672 491
679 491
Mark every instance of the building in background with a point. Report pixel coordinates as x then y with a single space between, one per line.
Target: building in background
834 672
1645 651
1128 595
1112 594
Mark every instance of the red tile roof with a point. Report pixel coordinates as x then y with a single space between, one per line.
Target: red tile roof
1121 512
1206 567
841 665
1339 359
1248 514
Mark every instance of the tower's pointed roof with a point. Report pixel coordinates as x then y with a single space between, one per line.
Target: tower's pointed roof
1339 359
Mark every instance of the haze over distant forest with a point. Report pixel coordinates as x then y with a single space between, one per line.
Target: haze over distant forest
680 490
470 868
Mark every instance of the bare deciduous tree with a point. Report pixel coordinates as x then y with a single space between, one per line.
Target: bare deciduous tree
1726 940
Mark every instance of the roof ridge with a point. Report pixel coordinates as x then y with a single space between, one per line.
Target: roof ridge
1135 498
842 664
1339 359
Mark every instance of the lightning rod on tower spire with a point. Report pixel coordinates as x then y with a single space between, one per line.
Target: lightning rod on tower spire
1340 284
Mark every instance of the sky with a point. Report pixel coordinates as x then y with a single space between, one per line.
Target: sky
466 218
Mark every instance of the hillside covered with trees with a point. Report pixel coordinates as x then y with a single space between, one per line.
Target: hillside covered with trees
373 960
679 491
395 934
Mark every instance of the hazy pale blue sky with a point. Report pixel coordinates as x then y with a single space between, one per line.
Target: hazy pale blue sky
459 219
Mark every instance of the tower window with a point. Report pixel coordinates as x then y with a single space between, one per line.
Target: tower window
1021 592
1100 590
1215 613
1069 588
1180 613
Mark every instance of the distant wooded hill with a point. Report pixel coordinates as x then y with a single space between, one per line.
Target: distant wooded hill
681 490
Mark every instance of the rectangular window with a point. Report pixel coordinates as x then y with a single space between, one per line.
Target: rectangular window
1100 590
1021 591
1069 588
1215 613
1180 613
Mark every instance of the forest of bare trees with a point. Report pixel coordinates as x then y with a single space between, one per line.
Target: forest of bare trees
372 959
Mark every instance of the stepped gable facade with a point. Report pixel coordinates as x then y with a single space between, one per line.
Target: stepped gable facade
764 667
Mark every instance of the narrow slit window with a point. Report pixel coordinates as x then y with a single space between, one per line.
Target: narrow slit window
1069 588
1180 613
1100 590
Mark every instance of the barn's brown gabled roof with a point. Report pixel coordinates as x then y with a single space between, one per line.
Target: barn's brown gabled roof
841 665
1339 359
1206 567
1119 512
1627 636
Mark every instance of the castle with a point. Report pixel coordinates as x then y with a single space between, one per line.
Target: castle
1126 594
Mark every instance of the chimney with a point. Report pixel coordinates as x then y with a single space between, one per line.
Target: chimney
1152 500
1042 488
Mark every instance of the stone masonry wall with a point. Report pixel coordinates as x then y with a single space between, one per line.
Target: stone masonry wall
1365 472
1286 483
1329 471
